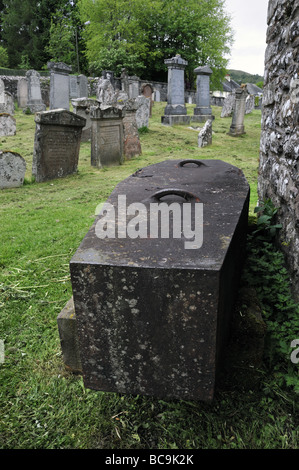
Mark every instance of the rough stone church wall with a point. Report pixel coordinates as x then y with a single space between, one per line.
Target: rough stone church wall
279 151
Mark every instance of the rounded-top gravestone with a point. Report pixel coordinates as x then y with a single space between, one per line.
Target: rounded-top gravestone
12 169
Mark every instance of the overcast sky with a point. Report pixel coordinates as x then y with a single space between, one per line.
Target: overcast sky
249 22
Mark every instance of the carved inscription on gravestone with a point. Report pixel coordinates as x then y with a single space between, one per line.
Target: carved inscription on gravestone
57 144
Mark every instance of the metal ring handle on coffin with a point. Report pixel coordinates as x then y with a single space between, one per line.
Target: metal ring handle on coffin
189 197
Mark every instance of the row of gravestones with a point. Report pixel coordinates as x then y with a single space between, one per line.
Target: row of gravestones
112 128
62 87
111 121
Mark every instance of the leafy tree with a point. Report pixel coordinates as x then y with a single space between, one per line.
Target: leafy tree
26 29
140 34
114 36
66 43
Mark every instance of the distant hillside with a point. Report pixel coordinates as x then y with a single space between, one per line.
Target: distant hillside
243 77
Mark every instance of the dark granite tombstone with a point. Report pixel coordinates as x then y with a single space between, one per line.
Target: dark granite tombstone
152 316
56 144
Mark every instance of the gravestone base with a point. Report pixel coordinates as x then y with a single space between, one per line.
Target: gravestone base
202 117
236 131
35 107
171 120
67 328
175 109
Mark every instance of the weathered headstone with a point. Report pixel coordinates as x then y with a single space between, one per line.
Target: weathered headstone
81 107
124 81
35 102
132 145
228 106
106 135
143 111
2 90
6 100
22 92
56 144
12 170
175 111
83 86
7 125
157 95
205 135
147 91
74 89
203 110
59 85
134 85
237 125
249 104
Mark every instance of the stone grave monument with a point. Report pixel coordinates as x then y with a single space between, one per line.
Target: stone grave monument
134 86
237 125
143 111
12 170
203 110
83 86
147 91
106 135
249 105
81 107
205 134
105 90
35 102
132 145
74 91
22 92
59 85
56 144
124 81
6 100
228 105
175 112
7 125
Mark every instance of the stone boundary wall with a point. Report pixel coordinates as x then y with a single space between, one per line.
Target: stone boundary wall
279 148
11 85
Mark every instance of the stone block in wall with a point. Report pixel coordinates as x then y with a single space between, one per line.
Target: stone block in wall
279 146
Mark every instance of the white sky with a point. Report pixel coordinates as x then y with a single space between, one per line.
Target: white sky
249 22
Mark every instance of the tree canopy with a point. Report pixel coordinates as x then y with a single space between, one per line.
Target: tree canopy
96 35
140 34
27 30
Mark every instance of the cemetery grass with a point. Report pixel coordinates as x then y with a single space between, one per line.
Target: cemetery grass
44 406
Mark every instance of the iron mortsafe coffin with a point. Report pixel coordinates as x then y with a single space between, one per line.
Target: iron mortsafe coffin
152 316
